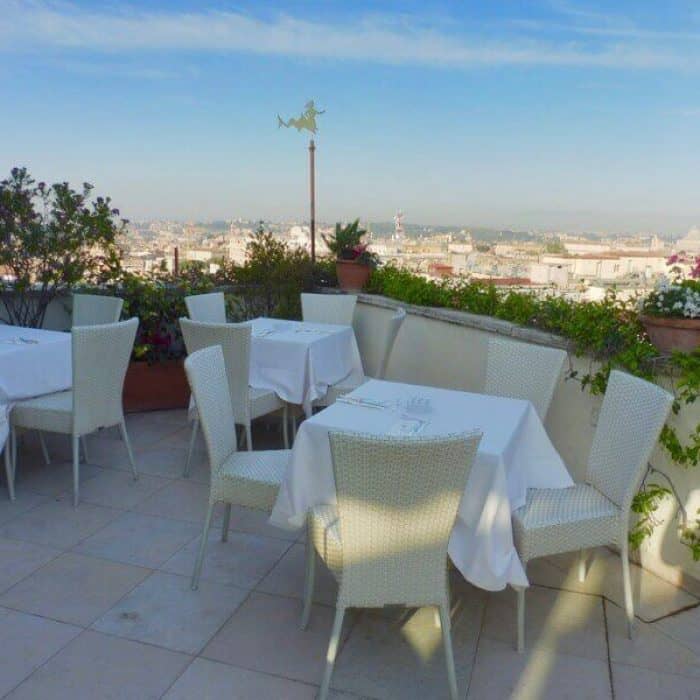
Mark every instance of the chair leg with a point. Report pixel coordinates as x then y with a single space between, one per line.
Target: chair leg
248 437
332 653
520 646
285 426
202 548
9 472
627 584
76 470
582 565
127 443
83 442
309 582
13 439
449 656
190 451
44 449
294 427
226 523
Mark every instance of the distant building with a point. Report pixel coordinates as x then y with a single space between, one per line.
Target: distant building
549 273
690 243
585 247
399 233
436 269
609 266
198 255
237 246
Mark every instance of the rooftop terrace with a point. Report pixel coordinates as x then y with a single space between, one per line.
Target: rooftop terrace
95 602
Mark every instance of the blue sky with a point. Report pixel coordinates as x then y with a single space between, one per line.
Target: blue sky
547 114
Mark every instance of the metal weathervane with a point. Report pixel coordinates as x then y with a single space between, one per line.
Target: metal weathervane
306 121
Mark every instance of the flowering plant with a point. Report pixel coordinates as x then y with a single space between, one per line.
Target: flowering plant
691 262
680 300
347 244
676 297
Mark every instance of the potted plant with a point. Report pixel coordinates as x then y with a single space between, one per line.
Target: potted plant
354 261
155 379
671 313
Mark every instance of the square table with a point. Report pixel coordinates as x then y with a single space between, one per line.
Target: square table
515 454
32 362
299 360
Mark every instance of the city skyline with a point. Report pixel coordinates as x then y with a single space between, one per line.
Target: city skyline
549 115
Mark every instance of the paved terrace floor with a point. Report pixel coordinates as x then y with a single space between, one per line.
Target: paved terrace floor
95 603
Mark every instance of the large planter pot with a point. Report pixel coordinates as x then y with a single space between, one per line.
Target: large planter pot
156 387
669 334
352 276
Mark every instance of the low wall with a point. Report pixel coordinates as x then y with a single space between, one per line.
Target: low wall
446 348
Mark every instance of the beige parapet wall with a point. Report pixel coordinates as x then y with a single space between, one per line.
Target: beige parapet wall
448 349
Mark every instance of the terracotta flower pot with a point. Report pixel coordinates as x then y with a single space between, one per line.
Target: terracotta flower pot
352 276
157 387
669 334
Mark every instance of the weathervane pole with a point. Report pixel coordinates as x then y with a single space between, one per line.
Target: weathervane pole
307 122
312 192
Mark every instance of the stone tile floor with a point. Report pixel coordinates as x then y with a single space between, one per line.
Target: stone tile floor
95 602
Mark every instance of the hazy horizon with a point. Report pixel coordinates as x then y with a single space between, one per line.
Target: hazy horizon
545 115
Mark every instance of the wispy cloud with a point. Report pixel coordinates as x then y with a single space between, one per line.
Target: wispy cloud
59 25
577 21
127 71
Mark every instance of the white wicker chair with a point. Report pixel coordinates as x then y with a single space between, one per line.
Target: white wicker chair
89 310
207 308
596 513
390 330
95 309
523 371
248 403
250 479
328 308
100 359
386 541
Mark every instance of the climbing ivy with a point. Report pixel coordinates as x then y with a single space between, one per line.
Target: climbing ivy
608 331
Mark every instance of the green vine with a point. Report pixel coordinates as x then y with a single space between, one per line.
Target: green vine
690 537
645 504
608 331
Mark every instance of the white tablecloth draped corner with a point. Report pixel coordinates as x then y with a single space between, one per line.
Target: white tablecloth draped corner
299 360
32 362
515 454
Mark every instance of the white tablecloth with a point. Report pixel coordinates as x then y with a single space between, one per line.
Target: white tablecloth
515 454
299 361
31 368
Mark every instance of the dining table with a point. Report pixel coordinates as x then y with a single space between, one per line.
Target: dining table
299 360
514 455
32 362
